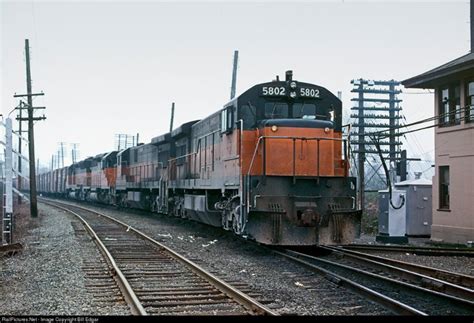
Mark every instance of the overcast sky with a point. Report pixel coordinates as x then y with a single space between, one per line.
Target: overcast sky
115 67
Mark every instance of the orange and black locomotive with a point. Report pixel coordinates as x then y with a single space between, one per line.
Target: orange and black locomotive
271 165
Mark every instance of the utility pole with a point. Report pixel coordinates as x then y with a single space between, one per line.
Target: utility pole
74 153
52 169
31 139
361 154
234 75
7 226
393 122
172 117
373 108
61 144
31 135
19 154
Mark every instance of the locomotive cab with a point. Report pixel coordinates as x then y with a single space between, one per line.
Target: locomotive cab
296 188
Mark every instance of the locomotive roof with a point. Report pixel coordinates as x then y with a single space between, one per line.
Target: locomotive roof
255 90
161 139
99 156
184 129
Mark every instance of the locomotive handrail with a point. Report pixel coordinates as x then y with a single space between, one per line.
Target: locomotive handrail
173 166
172 159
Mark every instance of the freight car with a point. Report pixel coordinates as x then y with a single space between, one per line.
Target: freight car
271 165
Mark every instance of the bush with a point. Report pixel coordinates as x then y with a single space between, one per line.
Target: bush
370 222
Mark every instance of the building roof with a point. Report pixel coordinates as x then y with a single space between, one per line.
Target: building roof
417 182
440 74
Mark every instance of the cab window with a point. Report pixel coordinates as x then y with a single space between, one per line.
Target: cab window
276 110
304 111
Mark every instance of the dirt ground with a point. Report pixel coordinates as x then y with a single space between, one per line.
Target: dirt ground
22 221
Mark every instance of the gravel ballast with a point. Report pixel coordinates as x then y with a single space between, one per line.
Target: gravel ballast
290 288
46 277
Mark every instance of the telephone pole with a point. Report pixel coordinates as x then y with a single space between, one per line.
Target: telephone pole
376 102
74 153
19 179
31 135
62 153
31 139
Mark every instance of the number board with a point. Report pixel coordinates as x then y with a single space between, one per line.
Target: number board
308 92
304 92
274 91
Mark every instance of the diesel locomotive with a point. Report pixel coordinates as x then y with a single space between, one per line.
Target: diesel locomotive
271 165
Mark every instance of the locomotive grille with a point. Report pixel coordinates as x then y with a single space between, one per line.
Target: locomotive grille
275 207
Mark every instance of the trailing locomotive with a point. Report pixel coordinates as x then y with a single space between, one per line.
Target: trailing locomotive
271 165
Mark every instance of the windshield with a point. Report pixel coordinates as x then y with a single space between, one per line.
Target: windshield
276 110
283 110
304 111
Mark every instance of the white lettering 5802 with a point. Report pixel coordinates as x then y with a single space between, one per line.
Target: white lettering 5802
270 90
314 93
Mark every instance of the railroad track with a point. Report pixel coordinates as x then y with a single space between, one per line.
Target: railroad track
425 251
400 290
154 279
451 277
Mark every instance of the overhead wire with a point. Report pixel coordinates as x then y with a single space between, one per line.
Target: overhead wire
376 136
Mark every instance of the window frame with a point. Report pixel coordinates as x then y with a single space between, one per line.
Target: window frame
452 116
469 104
227 119
443 186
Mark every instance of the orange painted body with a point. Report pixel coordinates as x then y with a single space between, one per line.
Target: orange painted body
288 157
142 172
103 178
111 176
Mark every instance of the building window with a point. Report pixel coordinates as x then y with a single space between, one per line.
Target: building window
450 105
469 112
444 187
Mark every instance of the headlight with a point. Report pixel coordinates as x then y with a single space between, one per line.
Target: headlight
293 85
274 128
326 130
293 95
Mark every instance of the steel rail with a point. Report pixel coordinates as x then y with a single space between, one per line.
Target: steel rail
448 299
434 251
249 303
387 302
456 278
418 278
127 291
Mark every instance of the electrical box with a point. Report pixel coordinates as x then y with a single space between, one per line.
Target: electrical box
397 216
392 221
419 214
